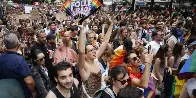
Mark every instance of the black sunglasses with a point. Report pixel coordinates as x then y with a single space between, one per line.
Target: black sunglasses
41 59
124 81
134 58
91 50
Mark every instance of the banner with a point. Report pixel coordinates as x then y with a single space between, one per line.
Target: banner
80 8
28 9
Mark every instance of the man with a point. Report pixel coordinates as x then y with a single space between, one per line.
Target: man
157 35
52 28
66 84
14 66
74 33
40 44
96 29
130 92
51 44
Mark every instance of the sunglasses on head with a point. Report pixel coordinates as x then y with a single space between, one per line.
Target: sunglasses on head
124 81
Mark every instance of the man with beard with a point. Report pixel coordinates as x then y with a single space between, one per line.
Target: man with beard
52 29
40 44
51 47
157 35
96 29
74 33
66 84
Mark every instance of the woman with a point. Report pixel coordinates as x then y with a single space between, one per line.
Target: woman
100 38
89 69
173 63
40 75
64 52
178 53
119 79
159 63
121 36
104 64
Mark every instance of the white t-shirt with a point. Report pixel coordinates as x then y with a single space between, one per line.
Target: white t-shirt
154 46
190 85
174 39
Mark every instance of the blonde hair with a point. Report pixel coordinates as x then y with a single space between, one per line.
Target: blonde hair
119 34
89 32
65 41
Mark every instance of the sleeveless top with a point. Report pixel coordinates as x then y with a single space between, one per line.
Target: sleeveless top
74 92
93 83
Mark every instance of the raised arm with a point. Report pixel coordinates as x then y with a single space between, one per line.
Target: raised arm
81 51
143 81
81 48
105 41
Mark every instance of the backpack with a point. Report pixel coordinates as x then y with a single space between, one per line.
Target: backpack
107 90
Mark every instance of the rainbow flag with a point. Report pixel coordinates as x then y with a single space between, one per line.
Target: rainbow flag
95 4
189 68
66 7
177 87
118 57
187 36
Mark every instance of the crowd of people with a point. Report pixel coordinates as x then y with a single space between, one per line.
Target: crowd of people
135 54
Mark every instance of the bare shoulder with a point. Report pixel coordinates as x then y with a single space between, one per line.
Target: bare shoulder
171 58
158 60
51 95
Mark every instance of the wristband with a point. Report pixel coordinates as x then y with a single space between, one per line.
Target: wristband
148 63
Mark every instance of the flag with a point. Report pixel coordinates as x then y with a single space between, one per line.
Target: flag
189 68
118 58
187 36
66 7
177 87
95 4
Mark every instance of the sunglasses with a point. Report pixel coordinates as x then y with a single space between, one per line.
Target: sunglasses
41 59
134 58
91 50
124 81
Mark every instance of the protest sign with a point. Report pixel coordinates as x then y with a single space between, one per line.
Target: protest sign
28 9
80 8
35 14
61 16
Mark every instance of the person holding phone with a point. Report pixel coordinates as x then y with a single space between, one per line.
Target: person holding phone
140 78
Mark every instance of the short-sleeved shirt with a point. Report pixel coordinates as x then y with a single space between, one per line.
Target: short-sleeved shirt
14 66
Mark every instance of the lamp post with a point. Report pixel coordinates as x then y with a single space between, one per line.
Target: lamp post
133 4
152 3
171 6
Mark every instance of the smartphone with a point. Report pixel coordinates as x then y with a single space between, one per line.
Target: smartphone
149 48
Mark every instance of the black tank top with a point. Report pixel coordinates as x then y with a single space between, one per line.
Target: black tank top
74 92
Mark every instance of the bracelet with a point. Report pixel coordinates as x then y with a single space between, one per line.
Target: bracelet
148 63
